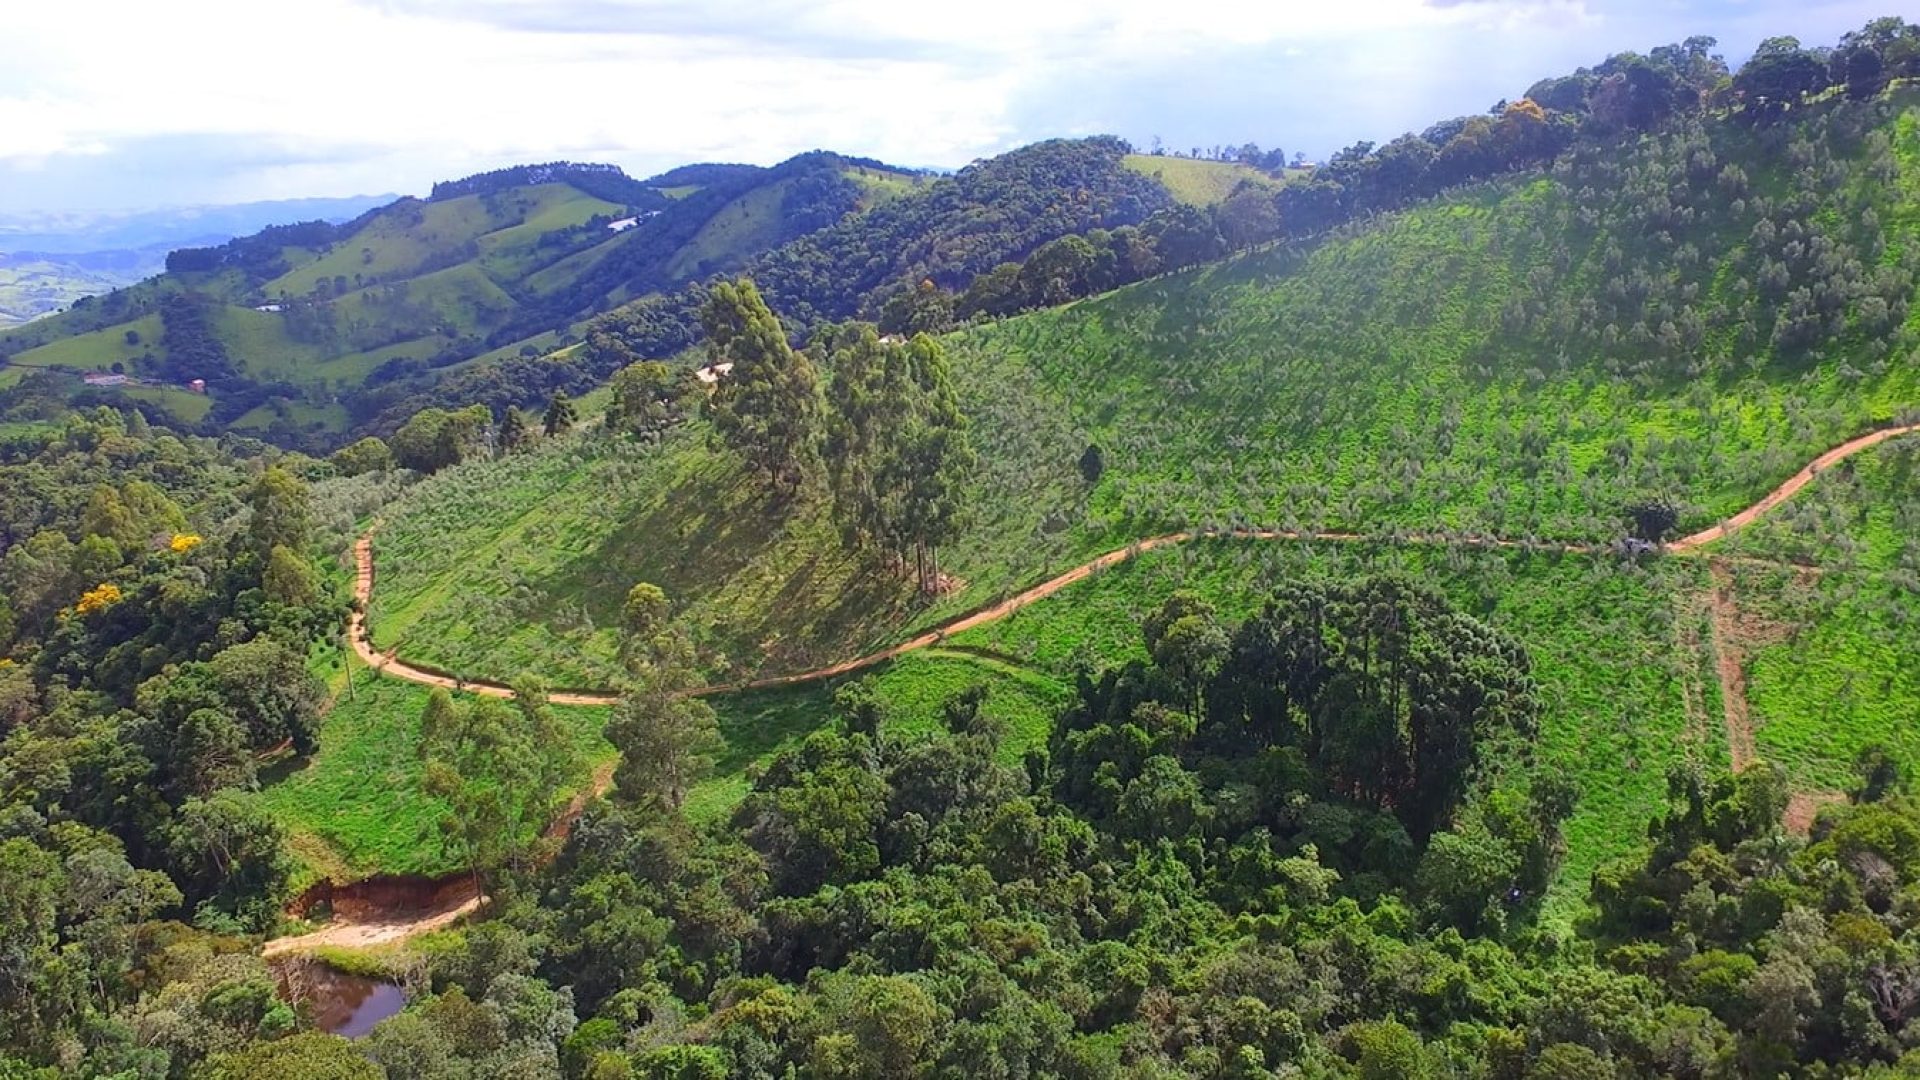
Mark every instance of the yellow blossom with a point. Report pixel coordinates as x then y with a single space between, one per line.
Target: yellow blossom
98 598
183 543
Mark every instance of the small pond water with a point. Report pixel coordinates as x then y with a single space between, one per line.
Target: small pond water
345 1004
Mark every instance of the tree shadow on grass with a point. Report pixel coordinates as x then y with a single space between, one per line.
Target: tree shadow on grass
755 723
832 606
710 539
709 524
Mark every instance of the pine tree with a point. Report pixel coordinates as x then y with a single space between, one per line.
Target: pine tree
514 432
560 415
768 405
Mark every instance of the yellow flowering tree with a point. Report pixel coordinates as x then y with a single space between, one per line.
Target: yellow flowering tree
98 598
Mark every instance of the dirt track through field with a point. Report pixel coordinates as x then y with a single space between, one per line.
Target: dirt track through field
1730 663
1739 730
1791 486
391 664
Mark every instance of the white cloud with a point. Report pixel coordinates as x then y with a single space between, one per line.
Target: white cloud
330 96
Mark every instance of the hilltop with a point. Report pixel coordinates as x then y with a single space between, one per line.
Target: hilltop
304 333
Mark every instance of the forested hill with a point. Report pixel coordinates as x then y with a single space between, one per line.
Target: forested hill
300 329
331 328
506 286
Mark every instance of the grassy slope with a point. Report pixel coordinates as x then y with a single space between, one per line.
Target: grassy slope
400 241
753 222
512 253
883 185
1272 389
1832 660
1368 384
508 560
743 226
356 808
1195 182
97 350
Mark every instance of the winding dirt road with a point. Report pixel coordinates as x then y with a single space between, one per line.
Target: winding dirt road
1791 486
400 928
391 664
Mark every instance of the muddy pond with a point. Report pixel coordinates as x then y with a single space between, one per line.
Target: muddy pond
341 1004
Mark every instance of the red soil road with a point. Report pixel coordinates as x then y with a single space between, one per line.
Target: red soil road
1792 485
382 931
391 664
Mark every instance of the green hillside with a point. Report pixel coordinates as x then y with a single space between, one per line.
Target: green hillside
1392 380
409 237
1500 362
435 301
1196 181
1447 613
760 220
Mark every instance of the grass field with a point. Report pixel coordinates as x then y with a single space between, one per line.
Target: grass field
185 404
98 350
461 297
405 239
1196 182
356 808
482 566
512 253
300 414
883 185
747 224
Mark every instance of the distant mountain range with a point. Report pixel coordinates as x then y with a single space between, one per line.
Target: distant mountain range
80 232
50 260
310 329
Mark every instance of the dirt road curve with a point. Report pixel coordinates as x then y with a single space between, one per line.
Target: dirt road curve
385 931
400 927
1792 485
389 664
392 665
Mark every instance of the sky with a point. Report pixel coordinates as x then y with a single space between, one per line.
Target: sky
133 104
